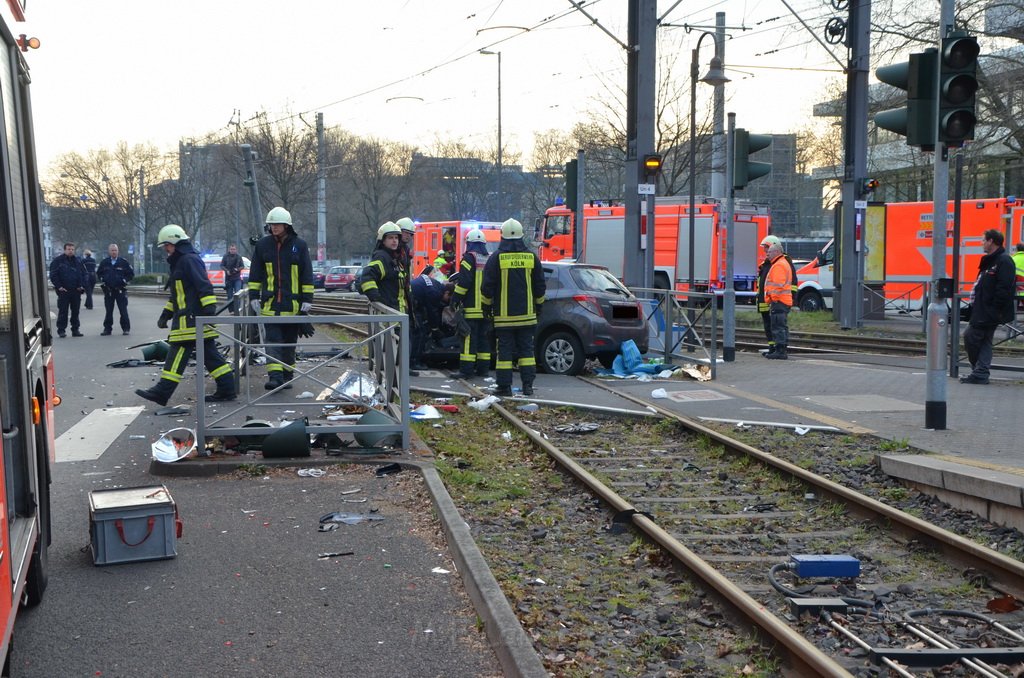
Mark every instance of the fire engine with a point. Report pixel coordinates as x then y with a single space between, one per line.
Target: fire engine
27 392
449 236
601 240
898 243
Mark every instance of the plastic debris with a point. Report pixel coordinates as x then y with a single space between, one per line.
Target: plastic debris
801 431
344 492
311 472
507 436
388 469
355 386
529 407
451 409
425 412
440 570
327 527
174 445
170 411
584 427
347 518
484 403
136 437
335 554
659 393
305 395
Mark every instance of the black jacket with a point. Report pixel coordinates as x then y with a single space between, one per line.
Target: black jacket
115 275
232 265
428 296
191 294
90 270
281 274
384 279
994 290
469 278
513 283
68 272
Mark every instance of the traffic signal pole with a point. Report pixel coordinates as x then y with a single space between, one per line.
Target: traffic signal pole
935 389
640 87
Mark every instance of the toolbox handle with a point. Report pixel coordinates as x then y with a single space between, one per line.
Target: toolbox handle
119 524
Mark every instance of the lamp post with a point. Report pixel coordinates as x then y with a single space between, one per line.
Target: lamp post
715 77
501 196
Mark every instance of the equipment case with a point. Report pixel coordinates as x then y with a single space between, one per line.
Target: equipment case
130 524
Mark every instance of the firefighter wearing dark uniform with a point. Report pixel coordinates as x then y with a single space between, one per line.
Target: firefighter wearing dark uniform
762 274
512 291
191 294
281 284
383 280
475 357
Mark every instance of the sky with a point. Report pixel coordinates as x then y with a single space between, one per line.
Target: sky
154 71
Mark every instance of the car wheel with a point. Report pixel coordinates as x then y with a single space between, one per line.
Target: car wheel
811 301
561 353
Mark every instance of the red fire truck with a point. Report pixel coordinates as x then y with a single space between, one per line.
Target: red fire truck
601 240
27 394
898 244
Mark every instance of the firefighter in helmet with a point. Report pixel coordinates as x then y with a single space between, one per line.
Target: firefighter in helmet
281 284
512 291
383 280
475 356
191 294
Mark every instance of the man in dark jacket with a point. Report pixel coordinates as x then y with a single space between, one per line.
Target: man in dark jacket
90 277
429 298
281 284
513 285
114 274
191 294
232 265
991 305
68 275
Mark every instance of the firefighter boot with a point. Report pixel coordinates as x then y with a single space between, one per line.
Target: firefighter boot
274 380
286 378
770 351
225 389
780 353
159 393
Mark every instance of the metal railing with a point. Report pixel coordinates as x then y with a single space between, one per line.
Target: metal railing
676 327
385 349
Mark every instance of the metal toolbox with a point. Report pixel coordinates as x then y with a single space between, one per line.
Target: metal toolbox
130 524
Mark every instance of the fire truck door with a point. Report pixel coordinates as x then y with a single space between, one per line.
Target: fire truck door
703 227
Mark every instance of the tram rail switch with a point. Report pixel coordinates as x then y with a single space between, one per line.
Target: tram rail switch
836 566
798 607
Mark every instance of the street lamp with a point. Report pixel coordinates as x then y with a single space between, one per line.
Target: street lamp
501 197
715 77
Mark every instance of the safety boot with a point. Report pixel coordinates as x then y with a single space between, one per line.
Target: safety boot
286 378
159 393
527 389
274 380
780 353
225 389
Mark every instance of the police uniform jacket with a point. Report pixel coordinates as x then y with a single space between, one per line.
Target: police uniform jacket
469 279
513 285
281 274
384 279
191 294
428 295
68 272
115 275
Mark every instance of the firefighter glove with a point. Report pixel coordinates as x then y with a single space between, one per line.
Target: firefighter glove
255 303
305 306
165 318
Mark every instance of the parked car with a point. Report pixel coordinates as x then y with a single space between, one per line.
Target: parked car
319 275
588 313
342 278
216 273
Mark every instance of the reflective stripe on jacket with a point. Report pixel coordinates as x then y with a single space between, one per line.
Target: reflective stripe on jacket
191 294
778 284
470 278
383 280
281 275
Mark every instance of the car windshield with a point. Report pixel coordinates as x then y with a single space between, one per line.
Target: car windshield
212 265
597 280
337 269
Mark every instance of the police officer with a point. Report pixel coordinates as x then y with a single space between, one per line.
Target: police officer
67 273
430 298
114 274
762 274
90 277
475 357
513 286
191 294
281 284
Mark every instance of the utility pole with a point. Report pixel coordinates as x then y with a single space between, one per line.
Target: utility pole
718 142
141 235
321 190
855 164
254 191
640 86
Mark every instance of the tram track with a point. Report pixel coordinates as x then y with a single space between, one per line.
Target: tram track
728 512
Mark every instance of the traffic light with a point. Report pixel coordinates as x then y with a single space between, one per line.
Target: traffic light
868 186
958 83
571 178
916 120
652 165
744 169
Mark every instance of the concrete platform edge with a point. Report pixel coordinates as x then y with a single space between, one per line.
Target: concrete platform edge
508 639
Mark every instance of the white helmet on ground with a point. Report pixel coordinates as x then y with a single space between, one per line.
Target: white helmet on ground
279 215
511 230
170 235
476 235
